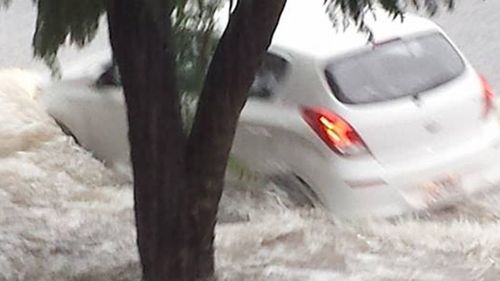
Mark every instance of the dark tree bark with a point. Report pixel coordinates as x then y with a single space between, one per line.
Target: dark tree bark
178 181
230 75
142 46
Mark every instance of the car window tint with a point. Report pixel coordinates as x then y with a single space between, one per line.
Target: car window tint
395 69
269 75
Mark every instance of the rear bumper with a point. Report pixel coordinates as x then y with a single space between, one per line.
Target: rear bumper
398 189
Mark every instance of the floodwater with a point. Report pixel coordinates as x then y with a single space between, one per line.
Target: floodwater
65 216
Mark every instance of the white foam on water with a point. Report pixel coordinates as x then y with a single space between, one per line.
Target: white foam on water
65 216
62 213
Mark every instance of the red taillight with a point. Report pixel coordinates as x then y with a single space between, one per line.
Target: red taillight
488 95
334 131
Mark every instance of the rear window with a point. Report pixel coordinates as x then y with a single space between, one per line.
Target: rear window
395 69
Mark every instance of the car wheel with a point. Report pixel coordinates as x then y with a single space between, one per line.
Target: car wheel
297 190
307 190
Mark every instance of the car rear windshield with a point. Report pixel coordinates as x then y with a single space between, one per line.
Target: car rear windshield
394 69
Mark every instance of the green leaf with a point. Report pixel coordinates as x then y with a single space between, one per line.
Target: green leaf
61 22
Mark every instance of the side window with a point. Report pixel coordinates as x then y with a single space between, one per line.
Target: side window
110 76
270 74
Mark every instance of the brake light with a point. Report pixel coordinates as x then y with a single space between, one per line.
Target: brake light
488 95
334 131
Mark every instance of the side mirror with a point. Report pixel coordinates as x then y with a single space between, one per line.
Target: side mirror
109 78
264 93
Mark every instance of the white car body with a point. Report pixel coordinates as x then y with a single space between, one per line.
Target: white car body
420 151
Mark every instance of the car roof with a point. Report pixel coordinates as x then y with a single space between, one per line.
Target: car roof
306 28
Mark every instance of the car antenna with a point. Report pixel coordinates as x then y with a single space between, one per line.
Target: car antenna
416 99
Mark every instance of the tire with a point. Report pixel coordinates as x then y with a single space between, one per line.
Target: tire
297 190
309 192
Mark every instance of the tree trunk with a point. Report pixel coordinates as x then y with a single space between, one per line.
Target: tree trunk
177 181
230 75
142 45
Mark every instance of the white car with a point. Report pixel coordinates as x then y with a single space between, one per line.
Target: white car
373 125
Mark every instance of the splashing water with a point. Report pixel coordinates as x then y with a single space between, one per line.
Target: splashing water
65 216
